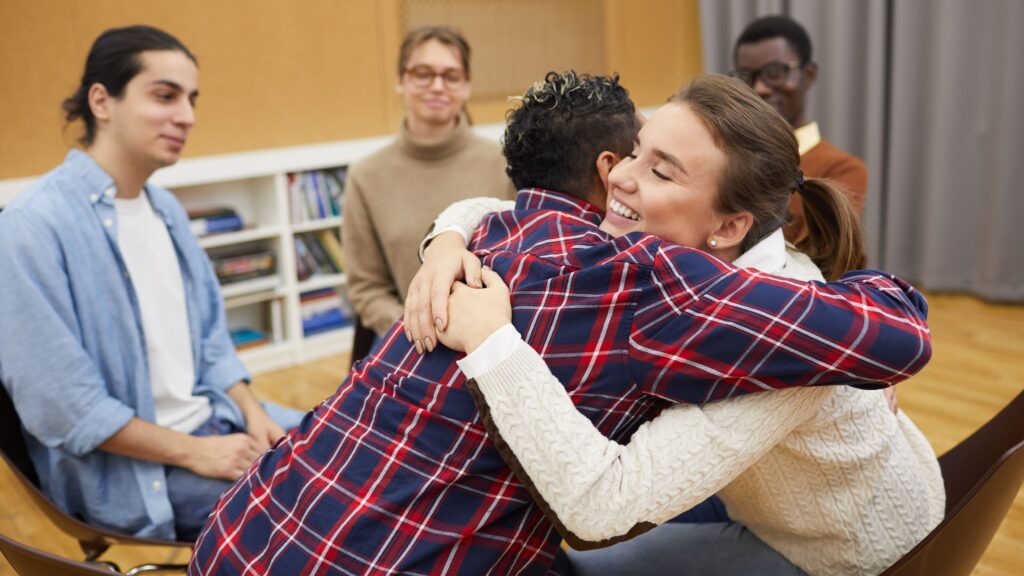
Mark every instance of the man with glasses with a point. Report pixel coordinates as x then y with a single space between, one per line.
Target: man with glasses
773 55
392 196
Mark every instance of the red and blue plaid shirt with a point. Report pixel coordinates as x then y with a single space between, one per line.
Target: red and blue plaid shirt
395 473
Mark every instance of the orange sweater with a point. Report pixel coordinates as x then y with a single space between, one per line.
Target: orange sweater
826 161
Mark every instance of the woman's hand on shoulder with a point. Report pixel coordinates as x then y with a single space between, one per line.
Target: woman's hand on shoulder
476 313
445 262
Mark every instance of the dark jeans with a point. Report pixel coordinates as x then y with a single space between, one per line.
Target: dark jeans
702 540
723 548
193 496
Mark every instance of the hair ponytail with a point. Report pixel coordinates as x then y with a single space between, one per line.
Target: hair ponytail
834 241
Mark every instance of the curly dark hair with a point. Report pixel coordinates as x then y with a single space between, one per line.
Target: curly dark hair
553 138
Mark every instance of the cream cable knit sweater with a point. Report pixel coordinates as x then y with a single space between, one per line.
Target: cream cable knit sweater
829 477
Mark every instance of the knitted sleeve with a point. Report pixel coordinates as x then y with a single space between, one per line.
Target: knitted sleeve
464 216
598 492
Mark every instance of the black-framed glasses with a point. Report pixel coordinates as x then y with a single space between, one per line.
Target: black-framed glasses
773 75
423 77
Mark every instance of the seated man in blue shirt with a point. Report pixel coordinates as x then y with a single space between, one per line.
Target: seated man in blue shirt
114 346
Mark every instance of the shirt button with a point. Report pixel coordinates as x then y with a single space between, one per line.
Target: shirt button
156 485
109 192
94 197
108 222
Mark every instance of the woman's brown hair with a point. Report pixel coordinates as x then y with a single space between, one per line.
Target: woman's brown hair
763 169
443 34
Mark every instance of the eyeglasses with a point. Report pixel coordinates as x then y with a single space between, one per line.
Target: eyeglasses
773 75
423 77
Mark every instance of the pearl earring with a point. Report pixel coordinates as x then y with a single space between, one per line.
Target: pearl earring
713 243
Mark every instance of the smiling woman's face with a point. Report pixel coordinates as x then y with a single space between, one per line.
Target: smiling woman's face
440 101
668 186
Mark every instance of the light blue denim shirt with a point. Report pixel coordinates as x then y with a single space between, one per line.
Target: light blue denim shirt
72 350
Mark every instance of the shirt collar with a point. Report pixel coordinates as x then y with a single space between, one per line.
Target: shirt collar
807 136
96 184
99 186
768 255
540 199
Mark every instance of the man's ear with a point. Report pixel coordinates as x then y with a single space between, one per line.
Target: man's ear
99 101
605 161
810 73
731 230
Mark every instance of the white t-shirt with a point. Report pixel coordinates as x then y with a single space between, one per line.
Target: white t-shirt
153 267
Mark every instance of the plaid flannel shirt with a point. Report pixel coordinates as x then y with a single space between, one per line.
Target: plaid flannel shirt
394 472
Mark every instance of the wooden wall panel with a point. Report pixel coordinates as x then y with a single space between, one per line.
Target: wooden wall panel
655 46
271 73
516 43
287 73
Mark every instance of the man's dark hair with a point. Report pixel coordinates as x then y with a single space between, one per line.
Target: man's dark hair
113 61
777 27
553 138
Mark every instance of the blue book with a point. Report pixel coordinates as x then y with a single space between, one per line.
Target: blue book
215 224
328 320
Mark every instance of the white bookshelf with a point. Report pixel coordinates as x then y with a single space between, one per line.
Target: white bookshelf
255 185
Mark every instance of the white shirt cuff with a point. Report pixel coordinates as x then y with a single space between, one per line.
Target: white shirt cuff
495 350
435 233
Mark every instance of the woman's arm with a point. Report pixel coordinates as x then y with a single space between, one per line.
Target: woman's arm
370 287
463 217
597 491
445 260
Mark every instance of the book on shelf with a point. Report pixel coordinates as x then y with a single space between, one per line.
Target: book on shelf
245 338
305 265
317 253
324 310
317 191
240 264
316 194
336 187
329 240
323 261
203 222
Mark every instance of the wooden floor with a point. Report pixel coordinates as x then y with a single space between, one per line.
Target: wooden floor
977 367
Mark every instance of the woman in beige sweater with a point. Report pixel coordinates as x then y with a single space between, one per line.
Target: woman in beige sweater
392 195
823 480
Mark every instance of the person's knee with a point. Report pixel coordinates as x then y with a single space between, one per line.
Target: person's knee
192 499
286 418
